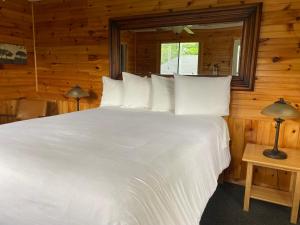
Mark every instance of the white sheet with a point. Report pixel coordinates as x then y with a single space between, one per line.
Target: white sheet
110 167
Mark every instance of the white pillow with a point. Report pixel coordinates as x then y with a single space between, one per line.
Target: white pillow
202 95
162 93
112 92
136 91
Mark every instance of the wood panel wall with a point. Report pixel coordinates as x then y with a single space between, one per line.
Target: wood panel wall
70 49
73 49
16 28
128 39
16 81
216 48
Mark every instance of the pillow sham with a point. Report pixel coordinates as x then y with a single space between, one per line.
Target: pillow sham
112 92
136 91
202 95
162 98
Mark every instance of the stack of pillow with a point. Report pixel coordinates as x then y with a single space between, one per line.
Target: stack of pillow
184 95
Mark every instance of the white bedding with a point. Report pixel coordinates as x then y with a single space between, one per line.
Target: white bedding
110 167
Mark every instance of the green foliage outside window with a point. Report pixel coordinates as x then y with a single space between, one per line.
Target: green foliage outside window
170 50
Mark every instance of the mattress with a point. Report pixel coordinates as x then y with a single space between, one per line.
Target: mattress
110 166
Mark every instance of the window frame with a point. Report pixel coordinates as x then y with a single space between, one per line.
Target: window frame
237 49
178 64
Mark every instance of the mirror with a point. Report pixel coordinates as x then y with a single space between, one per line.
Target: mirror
208 49
207 42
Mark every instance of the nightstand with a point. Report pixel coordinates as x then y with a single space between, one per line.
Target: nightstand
253 155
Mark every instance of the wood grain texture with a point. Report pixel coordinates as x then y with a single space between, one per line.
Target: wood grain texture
73 49
7 111
129 40
250 14
253 156
216 47
15 25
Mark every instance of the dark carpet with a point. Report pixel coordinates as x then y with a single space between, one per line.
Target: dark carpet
226 208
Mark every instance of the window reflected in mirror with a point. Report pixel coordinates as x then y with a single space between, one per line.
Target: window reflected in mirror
200 49
236 57
179 58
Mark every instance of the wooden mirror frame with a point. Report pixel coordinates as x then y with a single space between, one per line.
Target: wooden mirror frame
250 14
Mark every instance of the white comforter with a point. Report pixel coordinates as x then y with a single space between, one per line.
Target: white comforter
110 167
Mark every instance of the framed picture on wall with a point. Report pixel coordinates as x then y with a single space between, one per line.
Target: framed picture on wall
12 54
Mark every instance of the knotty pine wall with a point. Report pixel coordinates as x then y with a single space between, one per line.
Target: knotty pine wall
73 49
216 47
16 81
128 39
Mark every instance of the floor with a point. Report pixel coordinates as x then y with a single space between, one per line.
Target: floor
225 208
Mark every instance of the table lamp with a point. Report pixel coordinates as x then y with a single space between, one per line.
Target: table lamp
78 93
280 111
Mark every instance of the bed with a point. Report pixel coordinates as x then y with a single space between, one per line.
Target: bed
110 166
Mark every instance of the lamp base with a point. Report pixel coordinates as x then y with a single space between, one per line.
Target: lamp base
275 154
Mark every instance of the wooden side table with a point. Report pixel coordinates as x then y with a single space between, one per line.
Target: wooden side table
253 155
